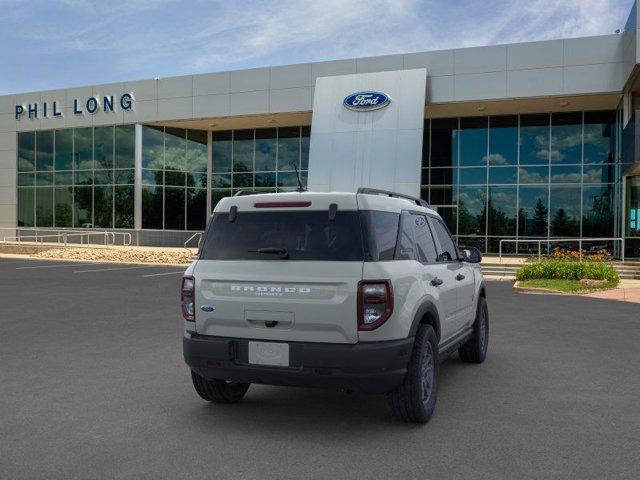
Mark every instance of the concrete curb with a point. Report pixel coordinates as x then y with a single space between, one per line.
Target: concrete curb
69 260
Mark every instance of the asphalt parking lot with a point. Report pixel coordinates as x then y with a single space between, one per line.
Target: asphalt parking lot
92 385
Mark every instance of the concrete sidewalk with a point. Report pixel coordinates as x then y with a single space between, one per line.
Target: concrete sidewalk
627 291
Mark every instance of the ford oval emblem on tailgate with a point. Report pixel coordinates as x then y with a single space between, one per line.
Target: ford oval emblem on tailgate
366 101
207 308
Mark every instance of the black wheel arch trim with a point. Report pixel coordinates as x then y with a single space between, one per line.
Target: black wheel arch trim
427 308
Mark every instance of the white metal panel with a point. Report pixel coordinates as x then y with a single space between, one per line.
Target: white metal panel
535 55
534 82
290 76
211 106
290 100
480 86
437 63
211 83
381 148
480 59
174 87
249 80
247 103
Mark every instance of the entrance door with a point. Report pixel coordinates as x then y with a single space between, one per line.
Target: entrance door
631 216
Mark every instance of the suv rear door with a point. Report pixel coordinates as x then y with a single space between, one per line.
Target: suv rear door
280 273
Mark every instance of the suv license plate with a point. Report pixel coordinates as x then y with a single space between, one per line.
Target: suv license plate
269 353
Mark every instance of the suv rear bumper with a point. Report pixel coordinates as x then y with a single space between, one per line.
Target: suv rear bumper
375 367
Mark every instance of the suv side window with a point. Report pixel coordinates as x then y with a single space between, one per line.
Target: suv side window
448 250
406 248
424 240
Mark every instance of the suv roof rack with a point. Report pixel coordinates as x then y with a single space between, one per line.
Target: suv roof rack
244 193
376 191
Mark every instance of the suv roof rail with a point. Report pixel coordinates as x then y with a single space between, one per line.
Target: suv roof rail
243 193
376 191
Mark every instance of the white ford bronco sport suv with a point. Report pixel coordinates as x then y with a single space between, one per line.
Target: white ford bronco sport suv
355 291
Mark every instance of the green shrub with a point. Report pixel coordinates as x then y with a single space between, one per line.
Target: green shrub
567 270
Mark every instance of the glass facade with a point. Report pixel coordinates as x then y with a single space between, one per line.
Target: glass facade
263 159
538 176
80 177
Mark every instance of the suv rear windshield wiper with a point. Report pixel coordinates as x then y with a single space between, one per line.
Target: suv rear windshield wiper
284 254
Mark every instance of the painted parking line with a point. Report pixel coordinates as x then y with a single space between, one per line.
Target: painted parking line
115 268
57 265
165 273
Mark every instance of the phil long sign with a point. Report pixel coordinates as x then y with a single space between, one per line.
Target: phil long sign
91 105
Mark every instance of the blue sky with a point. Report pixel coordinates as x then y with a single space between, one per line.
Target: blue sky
46 44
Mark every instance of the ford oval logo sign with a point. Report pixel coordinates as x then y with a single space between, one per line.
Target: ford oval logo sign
366 101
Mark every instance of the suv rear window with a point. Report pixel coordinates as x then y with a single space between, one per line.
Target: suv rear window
304 235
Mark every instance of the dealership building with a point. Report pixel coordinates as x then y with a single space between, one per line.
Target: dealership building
519 142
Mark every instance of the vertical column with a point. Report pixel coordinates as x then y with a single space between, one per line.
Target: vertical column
137 195
209 170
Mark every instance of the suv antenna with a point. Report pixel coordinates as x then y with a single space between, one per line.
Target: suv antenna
300 187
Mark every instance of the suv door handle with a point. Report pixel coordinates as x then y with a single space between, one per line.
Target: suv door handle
436 282
460 277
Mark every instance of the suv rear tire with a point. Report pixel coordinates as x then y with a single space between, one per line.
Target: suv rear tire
475 349
415 400
219 391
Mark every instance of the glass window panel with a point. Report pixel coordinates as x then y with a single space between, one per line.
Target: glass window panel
501 208
197 179
26 205
103 147
196 208
266 179
123 206
287 179
304 147
44 179
83 177
242 150
288 148
82 148
442 196
502 175
26 151
566 138
174 208
533 212
197 151
471 210
599 140
450 217
571 174
176 179
83 206
424 176
103 177
533 174
64 206
220 181
443 176
221 151
443 142
26 179
217 195
125 150
64 178
473 141
152 207
44 207
126 176
597 211
152 147
175 149
564 211
243 180
534 139
44 150
426 143
64 150
152 177
503 140
600 173
103 207
473 176
266 143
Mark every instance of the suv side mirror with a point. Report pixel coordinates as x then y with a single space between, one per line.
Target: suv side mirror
471 255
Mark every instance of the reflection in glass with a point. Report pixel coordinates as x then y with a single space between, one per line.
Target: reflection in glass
26 151
599 140
242 150
26 206
63 206
501 208
44 179
444 176
123 206
217 195
44 207
533 213
533 175
502 175
597 211
566 138
503 140
174 208
473 176
152 177
196 151
472 210
605 173
288 148
564 211
534 139
221 151
63 149
103 147
83 148
26 179
83 206
442 196
571 174
152 147
125 149
103 207
304 147
473 141
176 179
196 208
152 207
266 143
44 150
175 149
444 147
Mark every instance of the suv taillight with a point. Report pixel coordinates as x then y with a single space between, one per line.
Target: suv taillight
187 299
375 303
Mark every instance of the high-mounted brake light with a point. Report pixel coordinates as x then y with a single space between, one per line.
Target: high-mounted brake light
281 204
375 303
187 294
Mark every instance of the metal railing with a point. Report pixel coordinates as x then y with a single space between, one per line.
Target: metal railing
76 238
188 240
548 241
